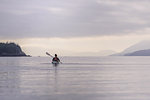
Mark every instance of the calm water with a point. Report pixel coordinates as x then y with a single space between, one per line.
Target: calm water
78 78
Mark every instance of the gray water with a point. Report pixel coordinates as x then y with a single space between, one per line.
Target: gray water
78 78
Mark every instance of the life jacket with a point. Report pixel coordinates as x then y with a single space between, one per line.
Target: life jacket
55 59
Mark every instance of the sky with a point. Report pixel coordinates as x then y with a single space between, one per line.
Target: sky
74 27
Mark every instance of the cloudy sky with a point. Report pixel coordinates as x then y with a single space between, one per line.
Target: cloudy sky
74 27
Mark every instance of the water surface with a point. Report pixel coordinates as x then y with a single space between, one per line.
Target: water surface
78 78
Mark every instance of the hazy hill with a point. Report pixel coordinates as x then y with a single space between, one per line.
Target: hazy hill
100 53
11 49
139 53
144 45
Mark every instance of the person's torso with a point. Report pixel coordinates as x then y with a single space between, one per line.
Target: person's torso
55 59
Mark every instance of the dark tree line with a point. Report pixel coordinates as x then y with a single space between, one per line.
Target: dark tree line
10 49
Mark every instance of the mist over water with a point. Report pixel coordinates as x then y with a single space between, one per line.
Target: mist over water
78 78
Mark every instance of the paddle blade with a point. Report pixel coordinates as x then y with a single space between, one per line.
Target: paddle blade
49 54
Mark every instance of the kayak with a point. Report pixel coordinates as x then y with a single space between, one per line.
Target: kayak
55 63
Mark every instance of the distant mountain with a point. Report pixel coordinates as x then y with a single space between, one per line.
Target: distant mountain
106 52
139 53
144 45
11 49
100 53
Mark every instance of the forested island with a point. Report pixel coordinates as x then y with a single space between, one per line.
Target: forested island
11 50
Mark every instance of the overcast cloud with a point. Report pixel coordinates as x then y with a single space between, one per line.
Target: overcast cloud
69 18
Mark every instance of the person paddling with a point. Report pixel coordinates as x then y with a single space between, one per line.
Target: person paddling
56 59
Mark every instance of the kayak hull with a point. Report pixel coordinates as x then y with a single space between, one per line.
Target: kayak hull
55 63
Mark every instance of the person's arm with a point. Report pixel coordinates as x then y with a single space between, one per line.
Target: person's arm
53 59
58 59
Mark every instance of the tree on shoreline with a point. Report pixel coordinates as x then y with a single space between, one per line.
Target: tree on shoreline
11 49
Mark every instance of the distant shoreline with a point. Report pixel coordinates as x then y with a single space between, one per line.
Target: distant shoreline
15 56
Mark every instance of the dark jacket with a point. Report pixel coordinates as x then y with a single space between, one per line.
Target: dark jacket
56 59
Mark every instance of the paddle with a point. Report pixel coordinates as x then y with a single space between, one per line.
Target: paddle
51 56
